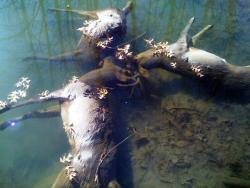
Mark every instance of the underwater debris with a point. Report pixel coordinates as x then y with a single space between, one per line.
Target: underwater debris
66 159
104 43
102 92
74 79
181 143
170 54
22 86
247 140
13 97
24 82
173 65
71 172
141 142
197 70
150 42
69 129
44 93
85 24
182 164
123 53
22 93
3 104
236 182
142 139
113 184
160 48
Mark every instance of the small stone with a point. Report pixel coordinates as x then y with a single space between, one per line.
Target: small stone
114 184
188 133
183 164
199 148
205 140
185 117
178 151
140 142
181 143
212 118
229 139
248 141
167 178
174 159
144 165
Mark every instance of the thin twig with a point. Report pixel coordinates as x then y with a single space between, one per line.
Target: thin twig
103 157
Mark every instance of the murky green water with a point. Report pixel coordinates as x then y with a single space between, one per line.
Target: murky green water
190 135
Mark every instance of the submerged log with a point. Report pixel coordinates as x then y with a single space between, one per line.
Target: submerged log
87 120
185 60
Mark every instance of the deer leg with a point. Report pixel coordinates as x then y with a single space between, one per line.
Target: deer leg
53 96
47 113
184 33
127 8
93 13
200 33
82 13
76 55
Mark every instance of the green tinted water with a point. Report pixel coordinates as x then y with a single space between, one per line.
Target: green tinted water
190 136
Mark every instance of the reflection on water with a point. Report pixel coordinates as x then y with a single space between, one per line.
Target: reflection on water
190 135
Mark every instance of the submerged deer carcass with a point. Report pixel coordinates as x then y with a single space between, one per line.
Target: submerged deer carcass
182 58
87 120
104 30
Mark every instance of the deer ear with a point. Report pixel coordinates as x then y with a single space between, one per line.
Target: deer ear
53 96
184 32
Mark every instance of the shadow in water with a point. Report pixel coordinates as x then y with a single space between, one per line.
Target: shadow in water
124 163
212 91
